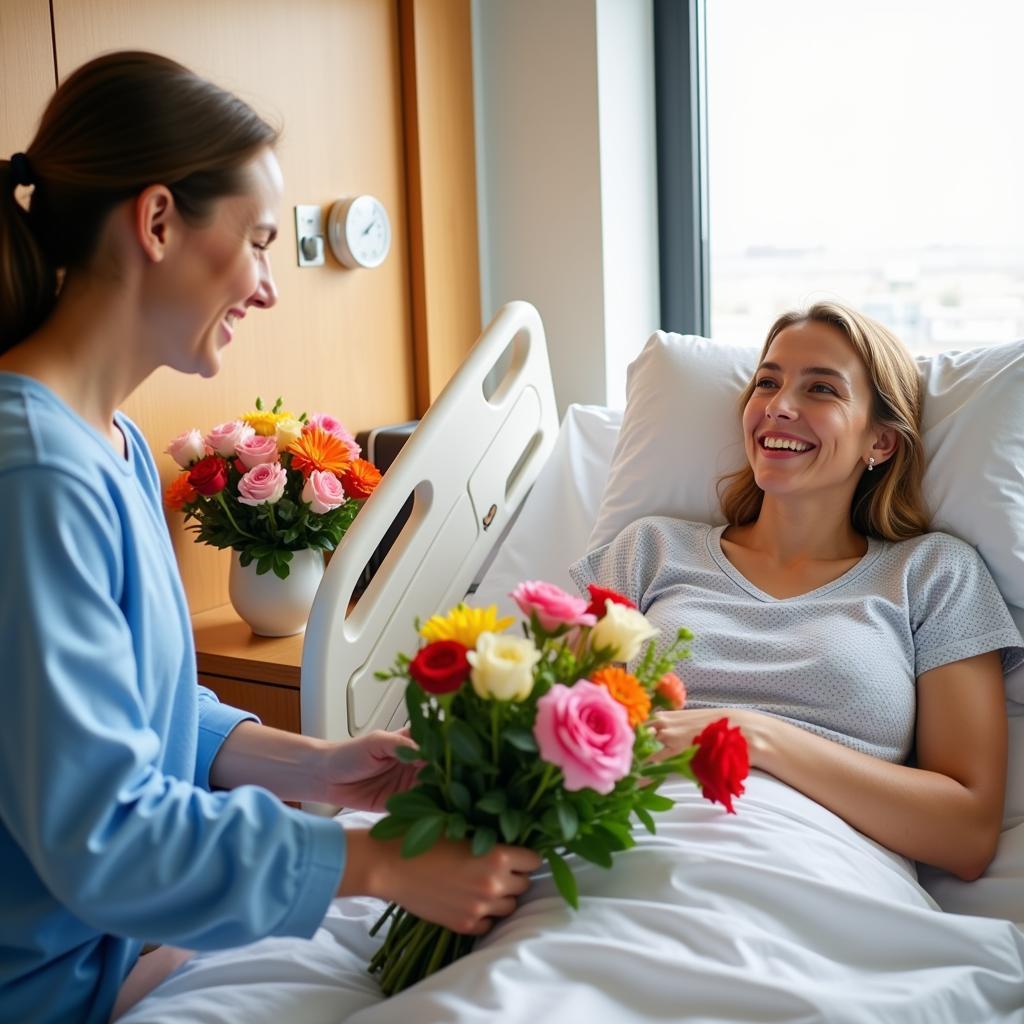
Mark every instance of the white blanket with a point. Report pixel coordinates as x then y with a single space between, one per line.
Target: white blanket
780 913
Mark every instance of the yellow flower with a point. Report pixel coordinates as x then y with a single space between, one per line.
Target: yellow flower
464 624
265 423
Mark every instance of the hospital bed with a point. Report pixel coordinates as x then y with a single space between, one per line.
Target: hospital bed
780 913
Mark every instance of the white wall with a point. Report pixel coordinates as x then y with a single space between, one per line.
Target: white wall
566 179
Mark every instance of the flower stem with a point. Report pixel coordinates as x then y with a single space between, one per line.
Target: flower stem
224 505
545 781
495 716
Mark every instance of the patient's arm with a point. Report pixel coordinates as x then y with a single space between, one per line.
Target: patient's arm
945 812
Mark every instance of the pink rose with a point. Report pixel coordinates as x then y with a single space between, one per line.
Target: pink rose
585 732
552 605
323 491
226 437
325 421
187 448
263 484
256 451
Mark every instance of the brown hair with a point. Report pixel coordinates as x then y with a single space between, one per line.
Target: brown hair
119 124
888 502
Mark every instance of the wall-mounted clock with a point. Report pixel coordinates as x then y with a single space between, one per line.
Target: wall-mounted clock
359 231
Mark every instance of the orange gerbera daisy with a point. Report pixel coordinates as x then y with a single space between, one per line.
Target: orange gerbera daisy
179 492
316 449
626 689
360 479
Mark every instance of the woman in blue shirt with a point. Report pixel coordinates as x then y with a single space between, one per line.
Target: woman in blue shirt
133 805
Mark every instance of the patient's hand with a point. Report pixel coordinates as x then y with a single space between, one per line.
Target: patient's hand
362 773
676 730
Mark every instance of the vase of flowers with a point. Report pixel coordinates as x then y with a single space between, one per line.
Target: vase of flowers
540 740
280 491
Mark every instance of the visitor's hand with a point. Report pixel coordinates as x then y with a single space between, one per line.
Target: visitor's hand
362 773
676 730
446 885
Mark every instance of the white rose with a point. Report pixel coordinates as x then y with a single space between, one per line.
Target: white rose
187 448
622 628
502 666
287 430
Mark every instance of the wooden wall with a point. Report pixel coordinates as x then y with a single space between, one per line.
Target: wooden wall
342 77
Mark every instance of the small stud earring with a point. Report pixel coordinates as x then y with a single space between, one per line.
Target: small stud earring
871 463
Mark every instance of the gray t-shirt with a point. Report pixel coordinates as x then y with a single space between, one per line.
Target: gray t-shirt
842 660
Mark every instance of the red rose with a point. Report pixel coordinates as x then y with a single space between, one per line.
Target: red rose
721 762
440 667
598 596
209 476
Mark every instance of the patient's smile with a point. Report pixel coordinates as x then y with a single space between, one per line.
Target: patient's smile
783 445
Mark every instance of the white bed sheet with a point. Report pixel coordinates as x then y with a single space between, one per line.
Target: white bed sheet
780 913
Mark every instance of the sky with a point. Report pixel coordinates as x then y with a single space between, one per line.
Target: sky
863 122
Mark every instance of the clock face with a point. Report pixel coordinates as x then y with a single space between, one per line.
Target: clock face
367 231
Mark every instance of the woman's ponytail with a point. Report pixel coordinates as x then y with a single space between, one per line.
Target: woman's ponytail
28 279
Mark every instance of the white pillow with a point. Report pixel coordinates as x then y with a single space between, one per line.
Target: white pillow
681 432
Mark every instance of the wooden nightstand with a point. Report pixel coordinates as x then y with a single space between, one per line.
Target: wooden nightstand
256 673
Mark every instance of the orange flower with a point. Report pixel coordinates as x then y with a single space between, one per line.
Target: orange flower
672 690
626 689
179 493
360 479
316 449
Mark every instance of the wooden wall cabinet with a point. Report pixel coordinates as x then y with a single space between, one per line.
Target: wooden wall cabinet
258 674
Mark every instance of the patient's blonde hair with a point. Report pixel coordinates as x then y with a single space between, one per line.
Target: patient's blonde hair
888 502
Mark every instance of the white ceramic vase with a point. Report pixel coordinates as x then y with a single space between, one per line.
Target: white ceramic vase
272 606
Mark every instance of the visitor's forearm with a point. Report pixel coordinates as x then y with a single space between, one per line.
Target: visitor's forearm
283 762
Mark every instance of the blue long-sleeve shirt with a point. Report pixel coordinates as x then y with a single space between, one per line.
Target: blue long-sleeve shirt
109 835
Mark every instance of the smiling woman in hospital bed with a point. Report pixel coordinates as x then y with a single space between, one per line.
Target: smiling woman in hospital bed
133 805
843 637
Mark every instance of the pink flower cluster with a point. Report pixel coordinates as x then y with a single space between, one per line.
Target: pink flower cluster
265 478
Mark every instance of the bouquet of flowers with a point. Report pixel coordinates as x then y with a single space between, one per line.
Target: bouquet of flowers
270 483
540 741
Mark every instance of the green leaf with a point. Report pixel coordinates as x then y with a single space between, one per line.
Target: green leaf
407 755
465 743
592 848
422 835
655 802
568 819
460 796
412 804
456 829
389 828
521 739
615 836
565 880
511 821
646 819
483 840
493 802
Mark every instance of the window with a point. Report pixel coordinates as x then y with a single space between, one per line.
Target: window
871 152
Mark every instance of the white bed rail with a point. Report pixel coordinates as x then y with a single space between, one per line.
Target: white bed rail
468 464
